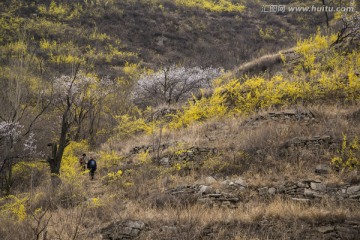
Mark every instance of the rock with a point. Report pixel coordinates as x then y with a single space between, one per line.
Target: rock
289 112
210 180
309 193
325 229
263 191
169 230
165 161
300 199
128 229
272 191
226 182
353 189
135 224
241 182
356 196
318 187
322 169
302 185
205 189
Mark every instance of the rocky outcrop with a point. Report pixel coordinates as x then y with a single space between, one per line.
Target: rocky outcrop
311 189
316 143
261 229
232 192
207 195
123 230
289 115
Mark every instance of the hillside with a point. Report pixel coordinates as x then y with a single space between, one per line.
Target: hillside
207 119
154 32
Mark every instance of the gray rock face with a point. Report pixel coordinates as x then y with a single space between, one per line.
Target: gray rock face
272 191
318 187
128 229
353 189
325 229
287 115
165 161
313 144
169 230
205 189
240 182
309 193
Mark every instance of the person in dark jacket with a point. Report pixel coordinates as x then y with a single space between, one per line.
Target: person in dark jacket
91 165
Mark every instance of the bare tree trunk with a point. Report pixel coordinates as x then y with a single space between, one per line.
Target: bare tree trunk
58 151
326 14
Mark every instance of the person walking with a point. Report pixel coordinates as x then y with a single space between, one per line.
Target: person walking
91 165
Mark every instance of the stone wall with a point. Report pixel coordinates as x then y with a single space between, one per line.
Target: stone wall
306 190
233 192
289 115
123 230
316 144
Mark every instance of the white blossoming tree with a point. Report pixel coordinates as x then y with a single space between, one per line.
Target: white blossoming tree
14 146
172 84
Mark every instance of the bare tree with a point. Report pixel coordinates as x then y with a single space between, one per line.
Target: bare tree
73 99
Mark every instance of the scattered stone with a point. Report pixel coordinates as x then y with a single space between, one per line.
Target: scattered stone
205 189
353 189
356 196
325 229
165 161
241 182
309 192
302 185
272 191
315 144
287 115
226 182
128 229
263 191
300 199
168 230
318 186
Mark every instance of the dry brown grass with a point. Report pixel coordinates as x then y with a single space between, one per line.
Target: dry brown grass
72 213
254 150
